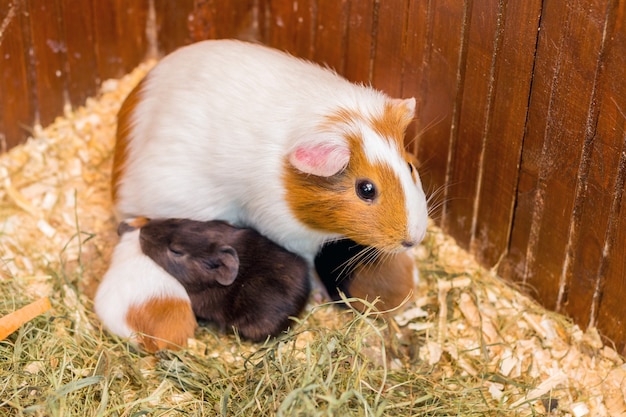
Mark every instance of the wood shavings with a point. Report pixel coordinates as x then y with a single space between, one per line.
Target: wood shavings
55 186
546 386
484 326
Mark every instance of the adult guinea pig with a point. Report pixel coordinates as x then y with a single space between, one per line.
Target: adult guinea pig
240 132
235 277
359 272
137 299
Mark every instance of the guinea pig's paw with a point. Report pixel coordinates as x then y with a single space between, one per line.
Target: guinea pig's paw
162 323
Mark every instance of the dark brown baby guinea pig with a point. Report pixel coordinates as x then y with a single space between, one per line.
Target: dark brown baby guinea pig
235 277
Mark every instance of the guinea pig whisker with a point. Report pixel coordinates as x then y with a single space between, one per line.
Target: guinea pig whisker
336 240
425 129
437 198
367 256
348 267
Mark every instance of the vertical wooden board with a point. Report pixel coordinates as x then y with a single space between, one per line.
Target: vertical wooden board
596 212
49 58
107 39
131 20
413 65
528 199
120 35
232 16
475 109
439 92
203 20
389 45
330 34
602 196
563 87
359 41
611 318
81 68
174 21
504 138
17 109
292 26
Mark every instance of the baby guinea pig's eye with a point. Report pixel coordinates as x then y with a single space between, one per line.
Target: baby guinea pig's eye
176 249
411 167
366 190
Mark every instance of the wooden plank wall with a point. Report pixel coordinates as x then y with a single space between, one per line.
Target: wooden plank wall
521 121
521 128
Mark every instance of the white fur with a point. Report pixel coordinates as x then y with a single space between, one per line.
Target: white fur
131 280
216 122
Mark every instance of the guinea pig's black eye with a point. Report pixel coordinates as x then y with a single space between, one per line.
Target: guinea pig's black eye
366 190
411 167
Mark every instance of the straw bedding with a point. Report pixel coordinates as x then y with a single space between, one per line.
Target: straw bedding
468 345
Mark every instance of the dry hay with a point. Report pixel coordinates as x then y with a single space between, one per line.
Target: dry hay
469 345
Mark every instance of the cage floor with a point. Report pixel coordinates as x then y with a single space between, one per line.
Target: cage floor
469 344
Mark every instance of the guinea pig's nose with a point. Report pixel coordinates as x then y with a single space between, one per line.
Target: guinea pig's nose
408 243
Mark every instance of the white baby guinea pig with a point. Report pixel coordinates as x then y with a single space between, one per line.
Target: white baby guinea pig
240 132
137 299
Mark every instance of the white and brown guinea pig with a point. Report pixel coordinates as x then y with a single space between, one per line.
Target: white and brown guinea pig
234 276
240 132
137 299
359 273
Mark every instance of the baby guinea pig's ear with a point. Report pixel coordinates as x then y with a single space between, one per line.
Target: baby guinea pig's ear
224 266
129 225
321 153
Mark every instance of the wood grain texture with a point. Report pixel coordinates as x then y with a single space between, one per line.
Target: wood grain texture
446 21
563 88
391 23
132 17
202 20
216 19
49 54
513 74
108 57
330 34
175 22
82 72
609 296
234 18
598 264
120 35
413 66
17 98
360 41
292 26
476 106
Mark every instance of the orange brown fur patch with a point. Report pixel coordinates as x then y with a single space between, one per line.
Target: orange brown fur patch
336 208
162 323
124 127
390 279
393 122
138 222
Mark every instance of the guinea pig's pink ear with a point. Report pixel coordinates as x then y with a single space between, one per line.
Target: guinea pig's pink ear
228 266
321 153
405 110
408 104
